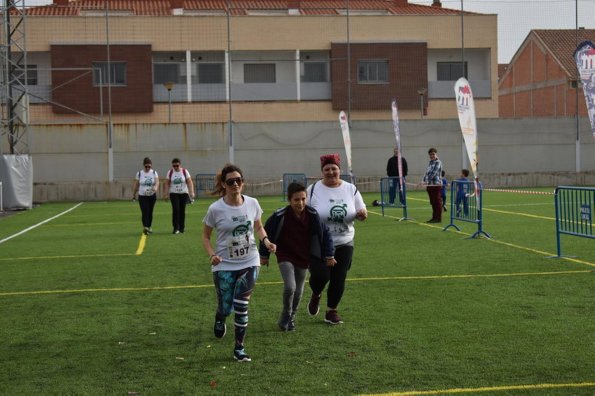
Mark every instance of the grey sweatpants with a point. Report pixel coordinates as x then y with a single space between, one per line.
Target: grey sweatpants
293 279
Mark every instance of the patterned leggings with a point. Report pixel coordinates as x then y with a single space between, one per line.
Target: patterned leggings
234 289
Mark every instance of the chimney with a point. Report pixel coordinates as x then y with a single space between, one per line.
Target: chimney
436 3
177 7
61 2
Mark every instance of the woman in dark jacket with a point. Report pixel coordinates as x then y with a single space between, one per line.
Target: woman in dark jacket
302 240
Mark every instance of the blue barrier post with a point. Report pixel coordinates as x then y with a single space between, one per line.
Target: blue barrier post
466 205
574 212
392 196
204 183
289 178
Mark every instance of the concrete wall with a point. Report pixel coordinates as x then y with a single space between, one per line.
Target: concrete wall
71 162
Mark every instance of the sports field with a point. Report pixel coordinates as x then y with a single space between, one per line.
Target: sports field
89 306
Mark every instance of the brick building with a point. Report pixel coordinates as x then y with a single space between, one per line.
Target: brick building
278 60
541 79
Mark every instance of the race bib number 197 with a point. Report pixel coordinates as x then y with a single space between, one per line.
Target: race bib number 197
238 246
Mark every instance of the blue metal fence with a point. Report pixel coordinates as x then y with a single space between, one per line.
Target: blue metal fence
204 183
289 178
466 205
574 212
393 194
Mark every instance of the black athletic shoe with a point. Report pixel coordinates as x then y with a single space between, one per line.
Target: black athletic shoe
219 329
240 354
332 317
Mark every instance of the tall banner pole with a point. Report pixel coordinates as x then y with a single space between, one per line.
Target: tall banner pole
343 122
395 112
467 120
584 56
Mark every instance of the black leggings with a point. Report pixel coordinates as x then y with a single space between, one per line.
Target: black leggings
178 207
335 276
147 203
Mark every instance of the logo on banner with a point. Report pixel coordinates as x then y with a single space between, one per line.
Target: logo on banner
463 96
585 63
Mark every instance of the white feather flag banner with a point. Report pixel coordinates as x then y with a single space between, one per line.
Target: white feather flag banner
343 122
395 112
466 110
585 63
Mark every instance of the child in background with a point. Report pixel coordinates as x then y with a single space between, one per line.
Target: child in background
443 192
462 193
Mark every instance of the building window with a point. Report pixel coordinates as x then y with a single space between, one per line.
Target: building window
372 71
451 71
259 73
166 72
31 77
117 74
315 72
211 73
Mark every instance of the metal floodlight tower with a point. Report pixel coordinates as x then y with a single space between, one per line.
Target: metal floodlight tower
14 101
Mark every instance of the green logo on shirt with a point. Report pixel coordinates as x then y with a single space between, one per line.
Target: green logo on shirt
241 229
338 213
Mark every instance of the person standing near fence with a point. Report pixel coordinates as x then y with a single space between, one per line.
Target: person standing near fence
146 185
235 261
181 191
462 193
301 238
392 170
443 190
339 204
433 180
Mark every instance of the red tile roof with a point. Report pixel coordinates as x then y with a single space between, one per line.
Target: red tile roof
240 7
562 44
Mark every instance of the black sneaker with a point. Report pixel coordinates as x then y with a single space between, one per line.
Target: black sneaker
291 324
219 329
332 317
240 355
314 305
283 322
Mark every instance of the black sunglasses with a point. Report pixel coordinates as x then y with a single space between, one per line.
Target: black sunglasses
176 165
147 166
234 180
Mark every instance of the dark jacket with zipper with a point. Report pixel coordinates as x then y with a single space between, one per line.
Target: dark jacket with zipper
321 242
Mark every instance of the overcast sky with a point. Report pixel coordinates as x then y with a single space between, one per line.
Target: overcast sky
515 17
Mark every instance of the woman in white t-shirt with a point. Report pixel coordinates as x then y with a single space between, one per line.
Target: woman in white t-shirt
338 203
235 261
181 191
146 185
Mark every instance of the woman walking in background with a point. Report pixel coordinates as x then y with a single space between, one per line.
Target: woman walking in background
181 191
339 204
146 185
235 261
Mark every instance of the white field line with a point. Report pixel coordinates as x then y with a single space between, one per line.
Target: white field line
41 223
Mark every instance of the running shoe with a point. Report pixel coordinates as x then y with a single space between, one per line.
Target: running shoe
332 317
219 329
314 305
240 354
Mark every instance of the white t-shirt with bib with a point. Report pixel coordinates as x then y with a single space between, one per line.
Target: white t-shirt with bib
146 182
177 180
235 233
337 208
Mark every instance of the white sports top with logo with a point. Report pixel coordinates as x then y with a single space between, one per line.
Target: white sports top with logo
337 208
177 180
146 182
235 233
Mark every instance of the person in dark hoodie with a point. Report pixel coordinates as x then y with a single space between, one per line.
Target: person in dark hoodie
302 240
